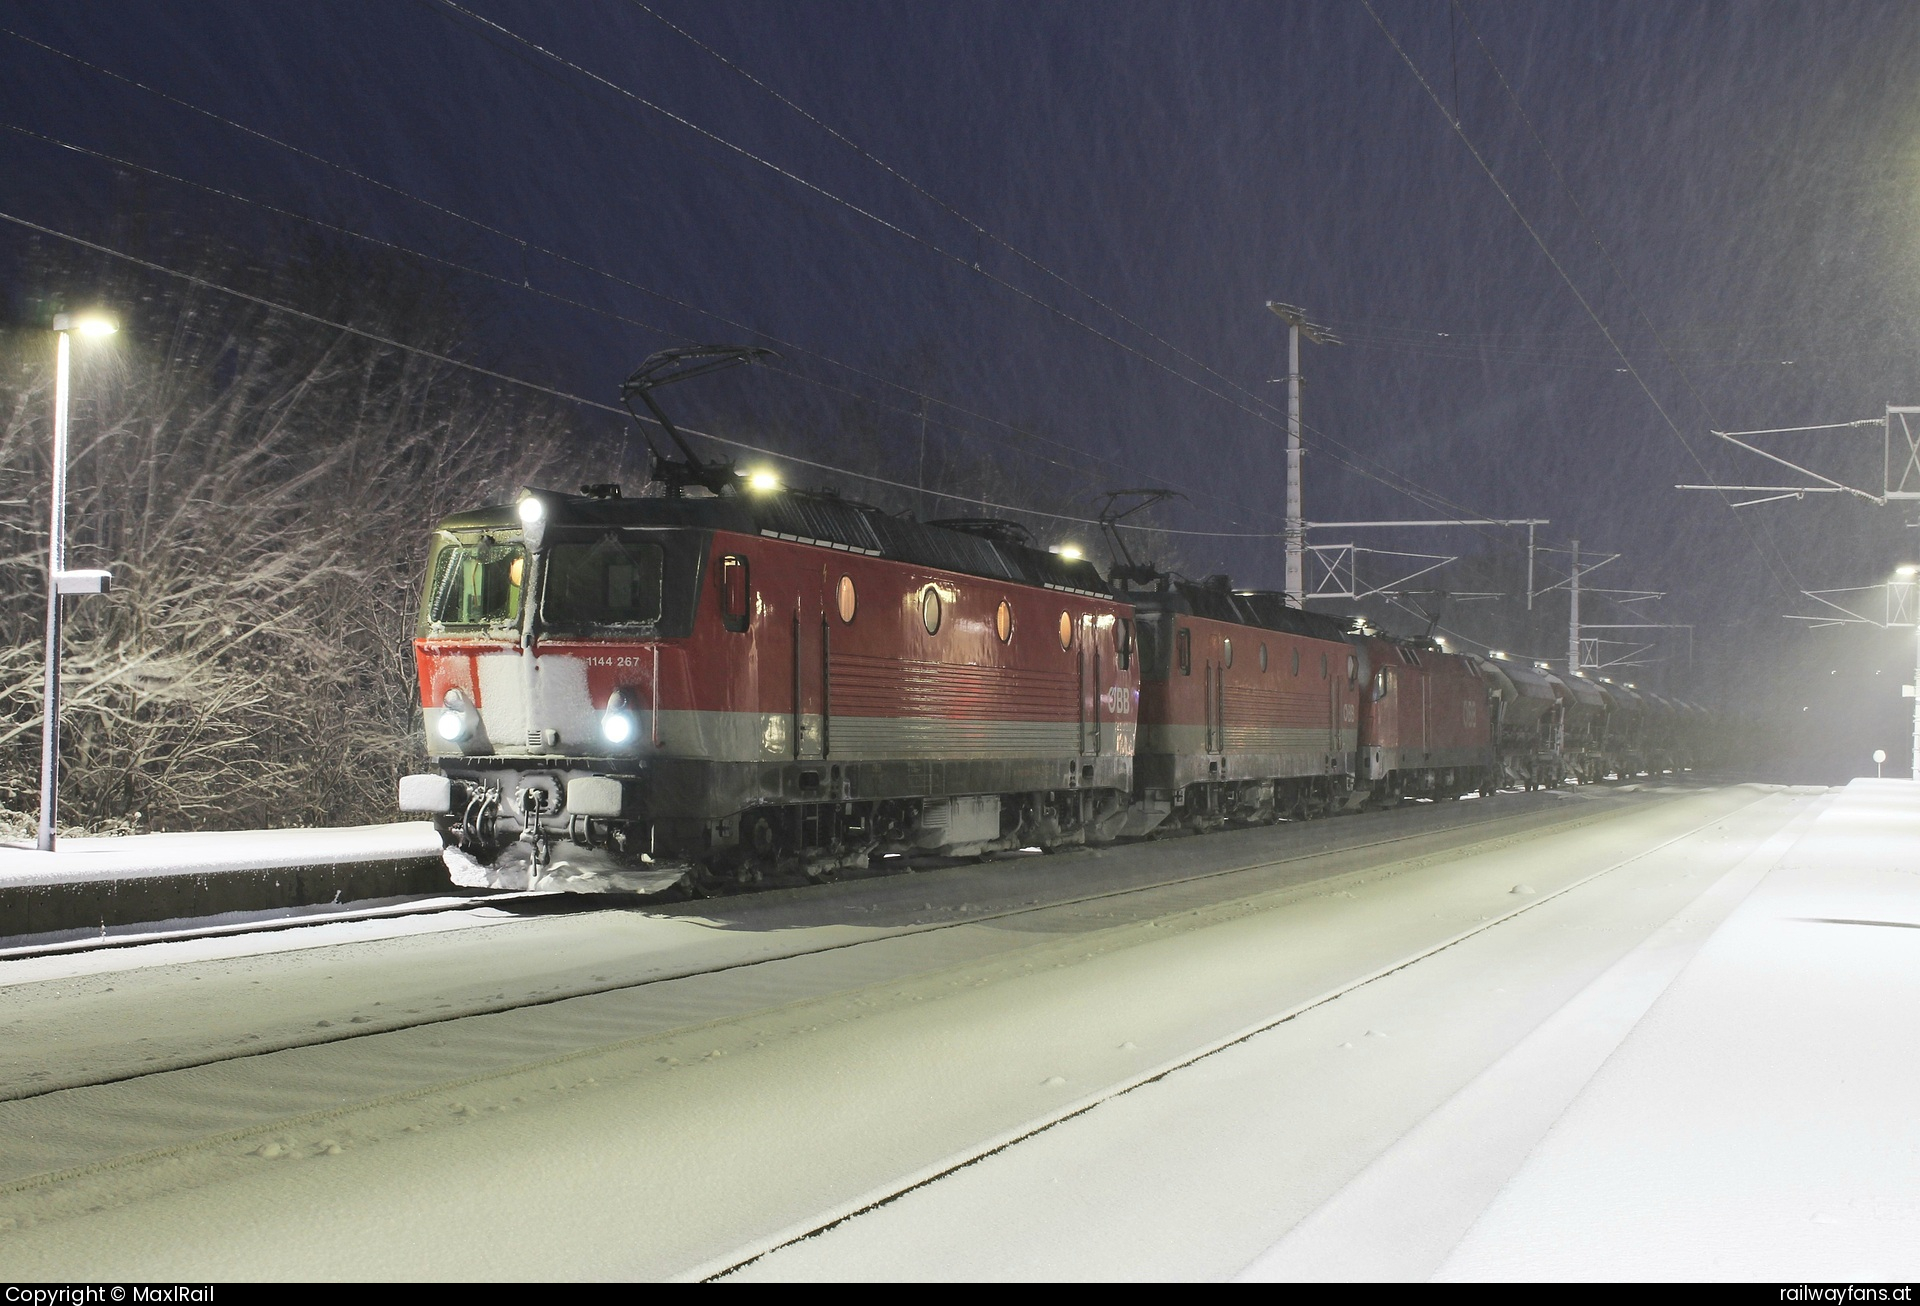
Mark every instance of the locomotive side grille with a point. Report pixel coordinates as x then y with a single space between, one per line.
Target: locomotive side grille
1305 710
820 520
886 687
929 546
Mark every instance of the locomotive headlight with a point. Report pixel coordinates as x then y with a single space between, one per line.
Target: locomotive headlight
533 520
456 717
618 725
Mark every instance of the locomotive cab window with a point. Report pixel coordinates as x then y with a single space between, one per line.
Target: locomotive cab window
735 594
476 585
605 582
1123 643
1183 645
1382 683
1353 669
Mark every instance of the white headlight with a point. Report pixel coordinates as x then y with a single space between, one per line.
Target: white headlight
618 727
455 722
531 511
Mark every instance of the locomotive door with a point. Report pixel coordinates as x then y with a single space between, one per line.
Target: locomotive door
1426 712
1330 676
1087 655
1213 700
810 634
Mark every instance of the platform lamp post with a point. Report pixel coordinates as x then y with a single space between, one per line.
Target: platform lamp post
59 580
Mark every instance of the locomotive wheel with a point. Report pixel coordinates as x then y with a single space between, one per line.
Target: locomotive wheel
760 837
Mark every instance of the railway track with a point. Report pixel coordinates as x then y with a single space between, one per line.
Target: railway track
109 1130
266 922
1525 825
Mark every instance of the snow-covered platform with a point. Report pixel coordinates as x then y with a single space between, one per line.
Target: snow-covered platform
1739 1108
104 882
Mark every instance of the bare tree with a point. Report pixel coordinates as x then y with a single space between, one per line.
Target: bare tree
261 486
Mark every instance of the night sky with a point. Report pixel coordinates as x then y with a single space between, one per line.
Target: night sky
1059 223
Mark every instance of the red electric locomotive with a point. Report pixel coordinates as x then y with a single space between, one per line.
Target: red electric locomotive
1248 707
1425 726
732 683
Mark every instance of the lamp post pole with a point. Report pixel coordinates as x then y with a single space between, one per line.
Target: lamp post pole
1296 532
1573 613
56 563
59 579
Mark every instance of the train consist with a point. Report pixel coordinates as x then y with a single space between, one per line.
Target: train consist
736 683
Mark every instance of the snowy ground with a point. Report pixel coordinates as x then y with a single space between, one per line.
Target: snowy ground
1319 1052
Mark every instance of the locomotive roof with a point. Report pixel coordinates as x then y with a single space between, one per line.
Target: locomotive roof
1217 600
812 517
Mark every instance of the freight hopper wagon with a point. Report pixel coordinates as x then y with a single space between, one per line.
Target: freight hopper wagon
1529 728
735 687
1587 709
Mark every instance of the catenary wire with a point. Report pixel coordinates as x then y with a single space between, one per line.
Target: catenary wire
1774 549
1386 477
1431 497
917 239
528 245
971 223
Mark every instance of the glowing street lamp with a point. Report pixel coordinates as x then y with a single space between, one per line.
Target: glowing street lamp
59 580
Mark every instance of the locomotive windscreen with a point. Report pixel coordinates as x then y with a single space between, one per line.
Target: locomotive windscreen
476 585
610 581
